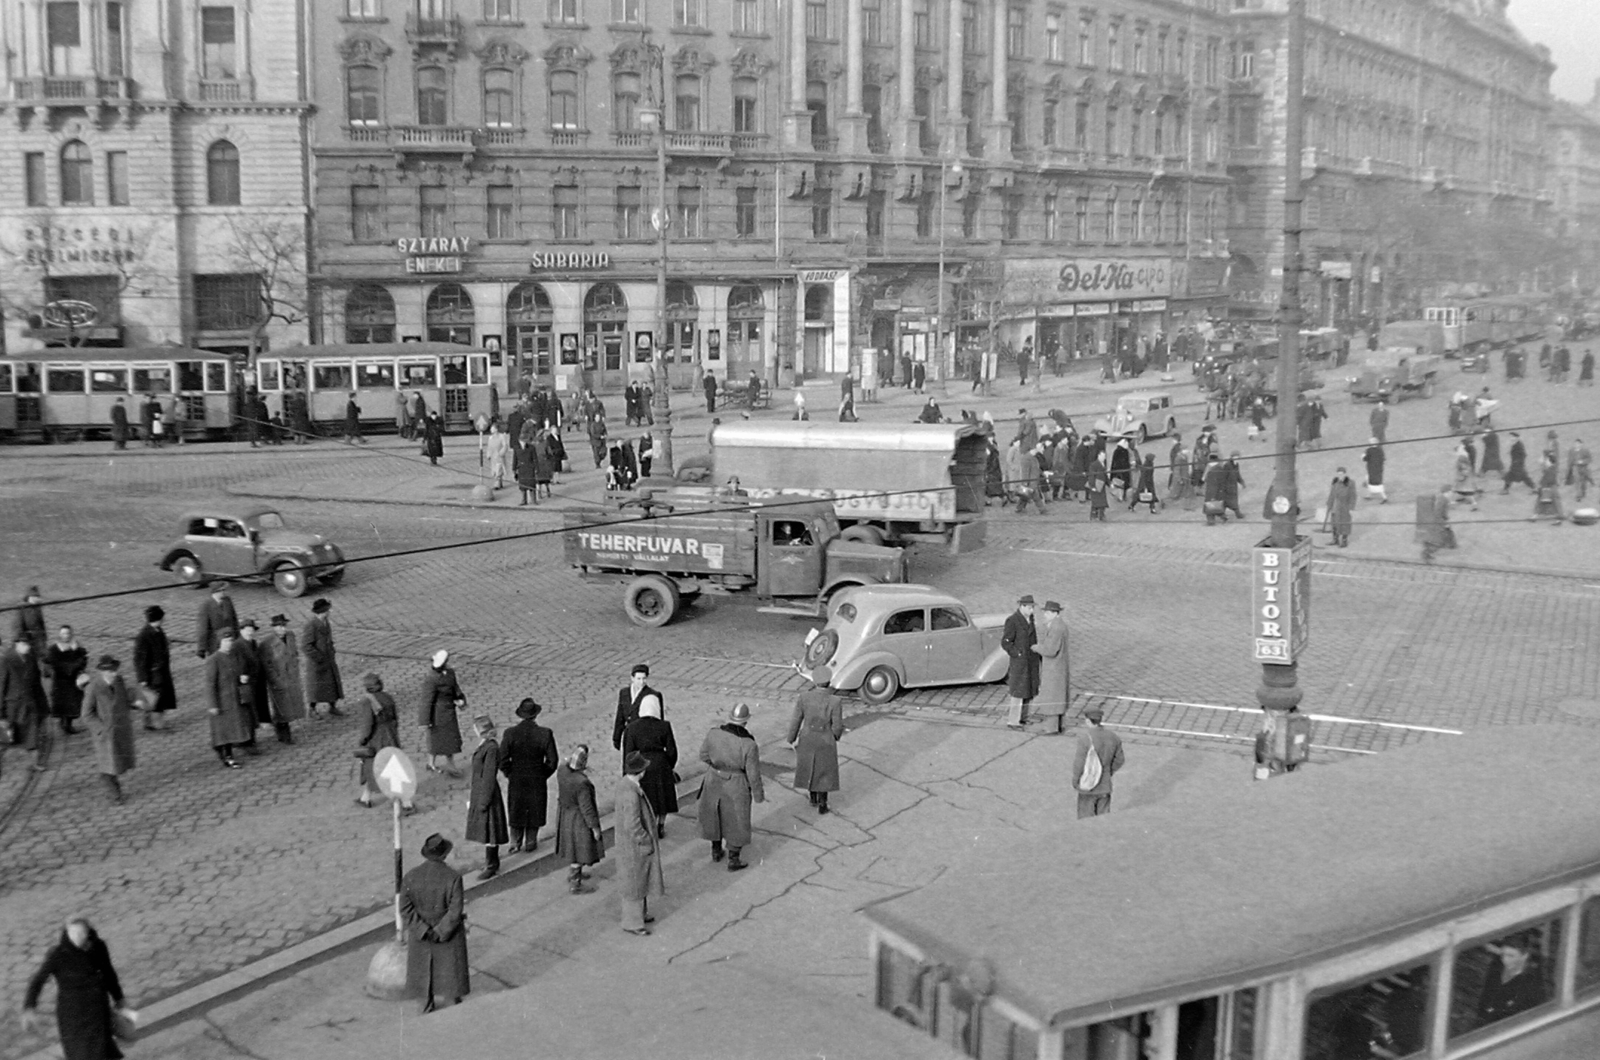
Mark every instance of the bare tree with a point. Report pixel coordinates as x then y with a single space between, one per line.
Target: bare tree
274 250
53 248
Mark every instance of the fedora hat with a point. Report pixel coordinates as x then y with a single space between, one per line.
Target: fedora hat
528 709
436 847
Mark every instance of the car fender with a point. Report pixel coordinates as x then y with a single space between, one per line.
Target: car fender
995 667
172 557
848 677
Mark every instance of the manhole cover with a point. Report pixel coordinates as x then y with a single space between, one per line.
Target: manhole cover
1581 708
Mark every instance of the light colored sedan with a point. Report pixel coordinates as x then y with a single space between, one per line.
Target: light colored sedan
882 638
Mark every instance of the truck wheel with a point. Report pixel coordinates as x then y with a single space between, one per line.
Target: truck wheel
188 570
289 580
650 601
880 685
862 532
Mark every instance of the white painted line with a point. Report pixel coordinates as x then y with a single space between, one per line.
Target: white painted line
1225 736
1333 719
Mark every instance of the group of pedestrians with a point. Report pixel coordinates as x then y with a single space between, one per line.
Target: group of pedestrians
160 420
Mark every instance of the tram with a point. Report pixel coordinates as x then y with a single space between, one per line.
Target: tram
1471 325
60 394
1441 900
456 381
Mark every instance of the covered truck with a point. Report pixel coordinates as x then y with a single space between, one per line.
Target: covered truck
787 553
1395 372
886 482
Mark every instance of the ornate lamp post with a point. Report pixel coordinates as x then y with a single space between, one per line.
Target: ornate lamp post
946 361
653 116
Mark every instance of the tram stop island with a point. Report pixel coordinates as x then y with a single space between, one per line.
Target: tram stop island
1441 900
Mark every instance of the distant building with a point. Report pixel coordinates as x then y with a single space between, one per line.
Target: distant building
1575 185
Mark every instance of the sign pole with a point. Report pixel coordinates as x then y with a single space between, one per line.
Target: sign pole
399 875
396 777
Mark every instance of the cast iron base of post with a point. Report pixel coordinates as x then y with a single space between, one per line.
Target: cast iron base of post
386 975
483 492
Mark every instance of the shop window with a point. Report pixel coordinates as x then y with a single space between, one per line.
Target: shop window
1387 1012
450 315
369 315
1500 978
102 292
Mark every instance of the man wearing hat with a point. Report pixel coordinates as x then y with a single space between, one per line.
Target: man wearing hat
225 685
628 700
279 660
110 722
486 813
731 783
1094 799
1022 676
23 701
814 732
248 649
528 758
1055 683
638 848
321 668
29 624
216 614
431 901
152 668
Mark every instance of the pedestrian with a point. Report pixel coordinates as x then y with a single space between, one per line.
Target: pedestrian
152 668
919 376
109 718
431 900
1027 435
1379 422
1179 488
1097 487
225 686
497 455
708 386
65 658
148 413
441 698
1518 470
1547 502
279 659
1215 504
432 438
486 810
1022 673
1586 369
1232 483
1055 670
402 415
578 836
1341 503
638 848
1258 420
1144 492
377 727
28 624
732 781
1433 522
800 412
528 758
319 661
1122 461
22 697
549 456
254 694
419 413
527 472
1372 459
1491 461
216 614
352 420
88 994
1579 474
815 729
628 700
652 736
1061 472
119 424
1314 417
646 454
1097 758
1466 480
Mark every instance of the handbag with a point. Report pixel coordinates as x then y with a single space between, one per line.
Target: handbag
124 1024
1146 497
1214 508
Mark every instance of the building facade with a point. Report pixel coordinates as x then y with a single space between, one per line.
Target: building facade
1575 186
156 190
486 173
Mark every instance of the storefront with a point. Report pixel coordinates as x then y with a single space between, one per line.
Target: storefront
1087 307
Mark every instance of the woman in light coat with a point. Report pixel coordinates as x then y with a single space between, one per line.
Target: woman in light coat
110 721
497 455
814 732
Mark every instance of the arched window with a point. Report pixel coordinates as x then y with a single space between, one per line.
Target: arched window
499 99
368 314
362 92
745 302
450 315
605 301
687 115
746 312
433 96
222 174
529 304
605 327
77 174
683 311
819 302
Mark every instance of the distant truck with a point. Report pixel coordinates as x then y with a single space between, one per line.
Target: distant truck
1394 374
887 482
682 542
1414 336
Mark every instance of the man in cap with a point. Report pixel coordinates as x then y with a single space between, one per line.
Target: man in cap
152 668
1022 676
732 782
486 813
321 667
628 700
110 720
216 614
528 758
638 849
225 684
431 900
1098 756
1055 684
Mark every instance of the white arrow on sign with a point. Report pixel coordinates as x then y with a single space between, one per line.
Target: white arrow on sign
394 773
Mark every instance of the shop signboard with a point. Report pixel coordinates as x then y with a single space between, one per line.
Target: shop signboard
1280 602
1089 279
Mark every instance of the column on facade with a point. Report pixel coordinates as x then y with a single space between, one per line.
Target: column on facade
907 129
853 124
997 143
797 118
954 121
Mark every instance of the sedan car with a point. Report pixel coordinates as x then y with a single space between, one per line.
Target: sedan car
251 542
882 638
1140 415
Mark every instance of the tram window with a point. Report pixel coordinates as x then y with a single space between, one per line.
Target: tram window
267 372
903 989
419 373
108 381
5 379
1502 977
216 377
191 375
147 379
455 371
331 376
478 371
1387 1012
27 378
64 380
1128 1038
1587 972
375 375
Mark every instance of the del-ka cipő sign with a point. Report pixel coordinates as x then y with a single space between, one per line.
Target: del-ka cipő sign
1281 601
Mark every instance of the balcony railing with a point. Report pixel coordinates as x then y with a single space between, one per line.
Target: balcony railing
500 136
224 91
368 134
70 90
439 32
435 140
741 142
631 138
568 137
688 143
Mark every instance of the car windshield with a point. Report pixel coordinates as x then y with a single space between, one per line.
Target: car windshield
268 521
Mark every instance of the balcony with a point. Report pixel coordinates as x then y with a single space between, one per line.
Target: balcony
417 140
433 33
709 144
636 138
502 136
77 92
1056 159
225 91
743 143
568 137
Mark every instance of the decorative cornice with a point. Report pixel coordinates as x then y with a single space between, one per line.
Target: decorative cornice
364 48
567 55
746 62
691 60
498 51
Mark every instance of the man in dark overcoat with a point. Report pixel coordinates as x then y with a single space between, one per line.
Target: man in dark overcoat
23 700
119 425
514 421
486 813
253 667
216 614
814 733
152 668
29 624
628 700
321 667
732 783
431 905
224 685
528 758
1022 676
652 737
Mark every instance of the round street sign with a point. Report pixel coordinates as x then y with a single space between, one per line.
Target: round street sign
396 776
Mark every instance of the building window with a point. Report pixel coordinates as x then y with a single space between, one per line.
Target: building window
1211 144
1011 215
449 316
817 20
218 57
630 211
1161 52
366 213
745 212
564 212
499 101
64 38
927 134
362 95
872 107
1213 50
746 105
1085 41
1016 32
1135 220
1136 130
927 203
1052 36
116 41
433 96
1141 60
821 210
228 302
688 13
971 214
501 224
1048 129
625 95
77 174
817 104
117 178
565 11
969 111
1244 121
629 11
1113 119
499 10
1114 45
691 212
872 21
922 23
564 100
970 27
1080 125
1052 219
34 178
1158 220
361 8
433 211
1017 116
1244 59
747 16
686 103
368 314
1080 228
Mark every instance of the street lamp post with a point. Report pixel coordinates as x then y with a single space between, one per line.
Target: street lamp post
946 362
654 117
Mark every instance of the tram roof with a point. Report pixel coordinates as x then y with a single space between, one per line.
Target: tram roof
878 437
1170 901
114 354
364 350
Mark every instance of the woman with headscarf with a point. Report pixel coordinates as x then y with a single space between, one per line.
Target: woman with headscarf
994 476
1341 503
578 837
432 438
378 726
551 455
441 698
814 732
1121 464
1097 487
110 721
1466 482
88 993
652 737
66 659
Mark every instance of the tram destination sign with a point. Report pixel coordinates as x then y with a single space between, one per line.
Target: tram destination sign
430 255
1280 591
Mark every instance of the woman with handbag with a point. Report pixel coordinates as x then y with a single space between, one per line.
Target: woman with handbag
378 723
441 698
89 1002
1145 491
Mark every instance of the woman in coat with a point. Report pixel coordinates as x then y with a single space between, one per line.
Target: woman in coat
486 812
1144 491
652 737
66 659
638 848
1179 486
278 653
431 906
377 727
432 438
87 991
994 476
152 668
1547 499
814 732
1341 503
1097 487
732 782
497 455
441 698
1055 670
528 757
224 699
578 837
110 720
1491 461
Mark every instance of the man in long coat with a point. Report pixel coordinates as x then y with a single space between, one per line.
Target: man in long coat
732 783
110 721
224 687
814 732
23 700
1022 676
528 758
152 668
1341 505
628 700
652 736
280 660
431 901
28 624
119 425
1518 471
486 813
638 848
1055 670
216 614
321 667
254 692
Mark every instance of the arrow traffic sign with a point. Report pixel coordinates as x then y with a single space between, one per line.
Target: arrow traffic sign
396 776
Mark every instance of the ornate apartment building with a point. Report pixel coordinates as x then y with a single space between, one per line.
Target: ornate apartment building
157 172
1575 184
486 173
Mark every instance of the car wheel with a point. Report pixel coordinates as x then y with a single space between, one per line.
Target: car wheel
880 685
188 570
866 533
289 580
821 649
1143 435
650 601
1172 426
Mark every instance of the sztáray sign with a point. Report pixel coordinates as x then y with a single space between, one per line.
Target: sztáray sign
1280 591
394 773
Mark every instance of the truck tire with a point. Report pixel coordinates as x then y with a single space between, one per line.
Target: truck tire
650 601
289 580
822 648
880 685
865 533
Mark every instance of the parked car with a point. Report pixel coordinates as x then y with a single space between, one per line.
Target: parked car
251 542
1140 414
881 638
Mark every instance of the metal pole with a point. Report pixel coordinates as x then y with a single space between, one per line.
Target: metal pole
399 875
946 365
661 401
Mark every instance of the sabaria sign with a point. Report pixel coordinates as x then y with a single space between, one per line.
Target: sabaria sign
1280 602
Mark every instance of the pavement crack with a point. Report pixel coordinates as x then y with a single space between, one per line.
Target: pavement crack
216 1033
750 911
